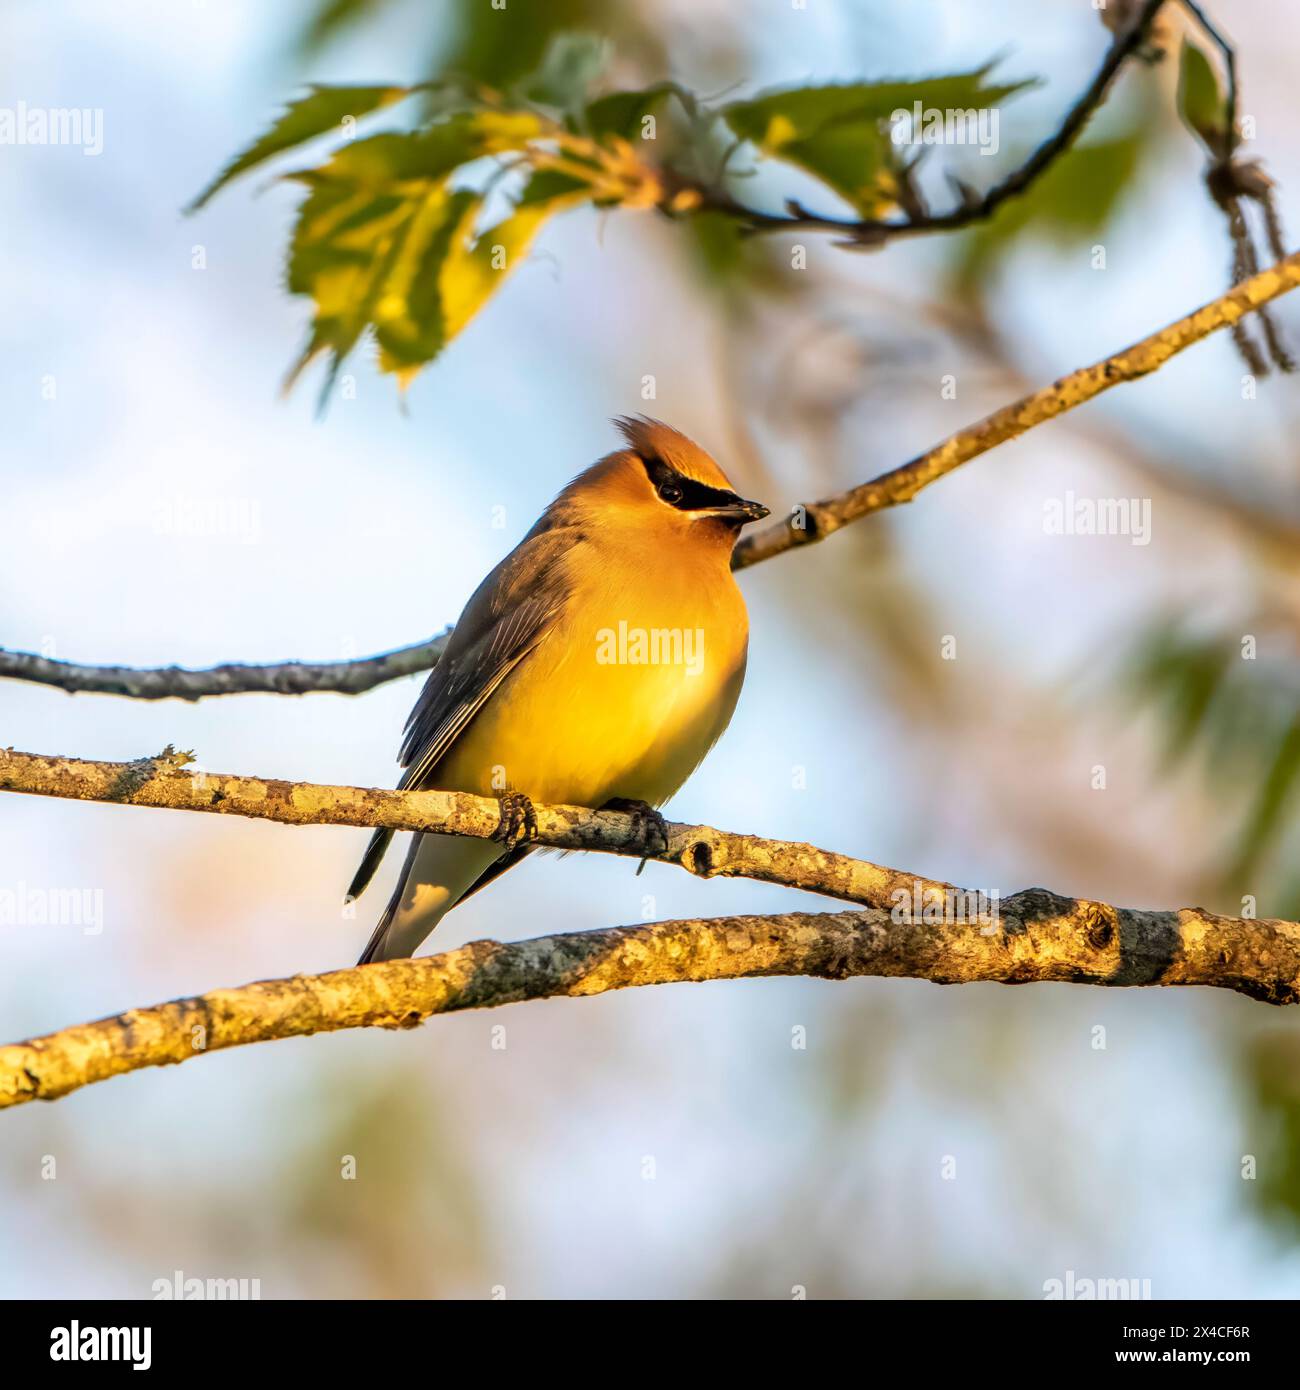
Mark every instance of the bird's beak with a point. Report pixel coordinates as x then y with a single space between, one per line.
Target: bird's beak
738 510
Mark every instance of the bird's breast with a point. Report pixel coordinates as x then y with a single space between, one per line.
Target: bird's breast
621 699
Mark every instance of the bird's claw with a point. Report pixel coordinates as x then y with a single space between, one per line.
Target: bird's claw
648 826
518 821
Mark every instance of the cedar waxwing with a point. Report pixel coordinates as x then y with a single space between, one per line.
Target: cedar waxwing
595 666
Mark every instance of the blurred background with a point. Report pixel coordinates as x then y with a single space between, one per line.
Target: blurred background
163 504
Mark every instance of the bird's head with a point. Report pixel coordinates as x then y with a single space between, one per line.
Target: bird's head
664 485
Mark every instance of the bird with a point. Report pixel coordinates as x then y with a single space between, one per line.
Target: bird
596 666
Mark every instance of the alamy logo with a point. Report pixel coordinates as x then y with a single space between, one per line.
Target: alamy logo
654 646
932 125
1110 1290
1098 516
234 518
77 1343
53 125
27 906
191 1289
934 904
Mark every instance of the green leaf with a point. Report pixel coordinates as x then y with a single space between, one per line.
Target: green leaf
1202 103
1268 1067
1075 198
1239 718
452 272
373 207
719 248
622 113
548 184
842 134
344 247
381 161
329 18
322 110
411 322
1184 675
499 46
384 243
774 118
568 70
1268 812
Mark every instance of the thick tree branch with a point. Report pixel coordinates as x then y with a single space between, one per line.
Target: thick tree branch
807 524
1037 936
910 927
873 232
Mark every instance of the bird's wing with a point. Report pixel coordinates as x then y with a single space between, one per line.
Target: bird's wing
510 612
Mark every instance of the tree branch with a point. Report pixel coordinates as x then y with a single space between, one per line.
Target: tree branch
873 232
1038 936
178 682
167 781
909 927
809 523
818 520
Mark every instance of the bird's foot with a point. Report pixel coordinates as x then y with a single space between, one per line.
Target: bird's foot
649 827
518 822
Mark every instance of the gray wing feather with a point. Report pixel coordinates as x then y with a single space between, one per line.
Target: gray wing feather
509 614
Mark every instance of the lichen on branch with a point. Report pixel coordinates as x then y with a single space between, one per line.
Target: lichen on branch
1037 936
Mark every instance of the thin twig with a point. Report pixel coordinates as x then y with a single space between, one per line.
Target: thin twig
876 232
815 521
181 683
806 524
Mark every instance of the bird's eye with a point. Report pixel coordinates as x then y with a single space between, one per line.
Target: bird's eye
671 493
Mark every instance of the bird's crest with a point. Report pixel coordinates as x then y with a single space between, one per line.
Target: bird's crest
652 439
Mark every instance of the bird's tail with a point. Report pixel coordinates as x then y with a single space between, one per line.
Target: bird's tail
375 850
438 872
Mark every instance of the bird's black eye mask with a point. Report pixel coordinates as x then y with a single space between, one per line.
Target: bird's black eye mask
683 493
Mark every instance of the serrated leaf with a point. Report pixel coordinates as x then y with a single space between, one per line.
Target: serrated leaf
841 134
478 265
411 323
344 248
392 158
774 118
373 213
323 109
1202 103
383 242
432 295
